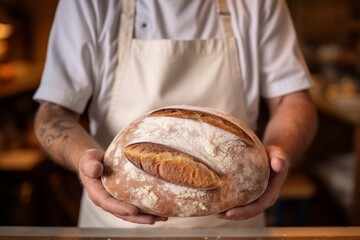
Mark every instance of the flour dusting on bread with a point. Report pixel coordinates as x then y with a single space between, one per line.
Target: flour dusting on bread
159 163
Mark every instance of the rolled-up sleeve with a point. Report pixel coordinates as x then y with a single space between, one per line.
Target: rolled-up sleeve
282 67
69 70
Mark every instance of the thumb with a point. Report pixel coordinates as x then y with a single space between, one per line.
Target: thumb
279 161
90 163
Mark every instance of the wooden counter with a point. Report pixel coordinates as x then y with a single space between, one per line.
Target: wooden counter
45 233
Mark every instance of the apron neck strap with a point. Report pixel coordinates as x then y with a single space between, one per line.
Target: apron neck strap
126 26
225 20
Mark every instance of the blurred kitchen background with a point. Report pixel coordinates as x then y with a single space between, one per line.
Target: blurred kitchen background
322 190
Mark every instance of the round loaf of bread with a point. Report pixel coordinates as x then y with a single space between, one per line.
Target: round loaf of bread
186 161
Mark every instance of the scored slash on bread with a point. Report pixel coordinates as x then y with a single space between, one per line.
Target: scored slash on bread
172 165
206 118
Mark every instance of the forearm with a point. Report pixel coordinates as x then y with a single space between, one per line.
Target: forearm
292 124
61 135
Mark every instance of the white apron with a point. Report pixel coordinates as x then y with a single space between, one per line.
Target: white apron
157 73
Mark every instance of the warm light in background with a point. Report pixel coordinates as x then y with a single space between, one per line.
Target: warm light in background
5 31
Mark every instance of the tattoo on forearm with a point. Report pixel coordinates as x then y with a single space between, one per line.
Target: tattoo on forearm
54 129
41 131
49 140
57 130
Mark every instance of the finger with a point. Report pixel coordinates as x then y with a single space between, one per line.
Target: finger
90 163
279 164
241 213
223 216
265 201
161 219
90 171
142 218
104 200
93 168
279 161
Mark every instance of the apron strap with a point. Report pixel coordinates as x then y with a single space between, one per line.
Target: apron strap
225 20
126 28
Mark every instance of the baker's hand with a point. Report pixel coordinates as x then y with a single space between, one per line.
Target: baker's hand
90 170
279 163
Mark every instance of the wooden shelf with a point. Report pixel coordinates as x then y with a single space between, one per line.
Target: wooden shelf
351 114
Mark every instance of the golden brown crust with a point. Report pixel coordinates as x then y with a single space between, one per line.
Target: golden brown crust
186 162
172 165
206 118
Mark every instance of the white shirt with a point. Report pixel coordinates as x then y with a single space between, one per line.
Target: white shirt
82 50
